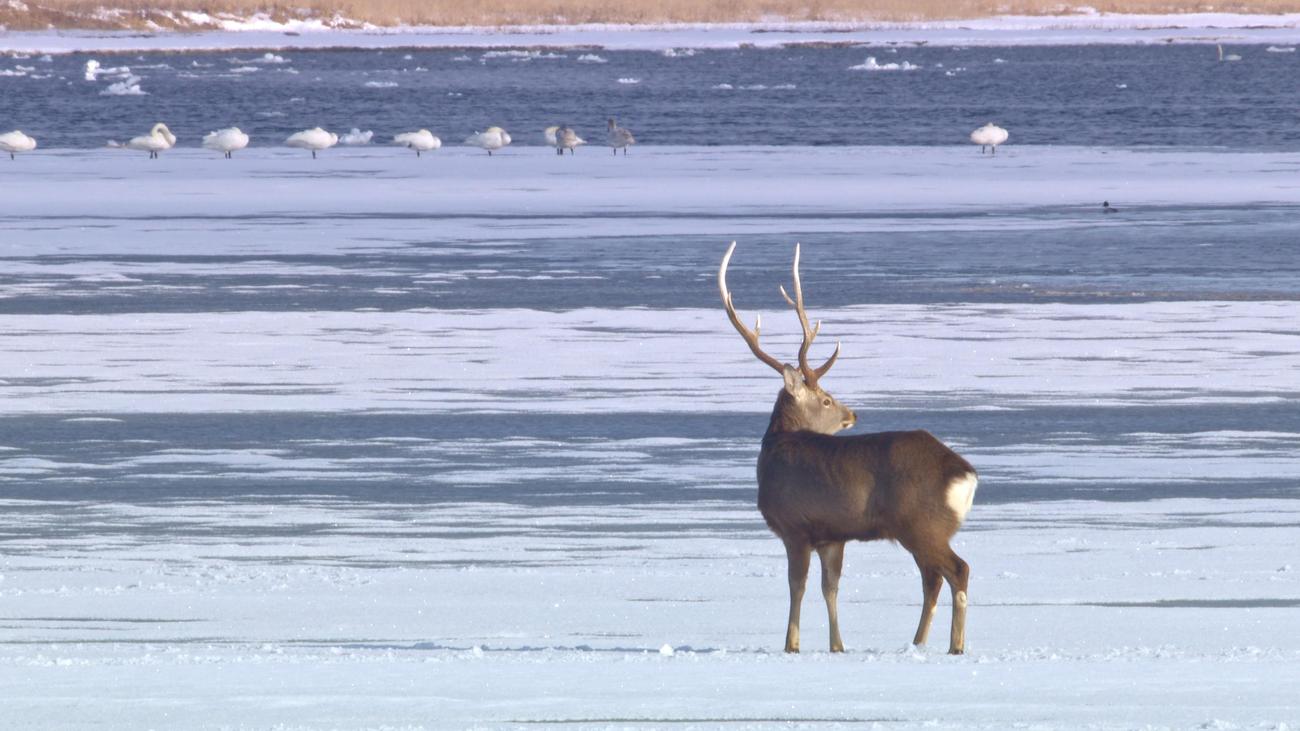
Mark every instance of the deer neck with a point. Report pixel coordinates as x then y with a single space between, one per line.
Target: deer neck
783 419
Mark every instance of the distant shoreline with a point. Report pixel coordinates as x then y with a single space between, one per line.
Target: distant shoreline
1085 29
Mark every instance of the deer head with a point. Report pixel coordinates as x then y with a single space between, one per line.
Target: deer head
802 405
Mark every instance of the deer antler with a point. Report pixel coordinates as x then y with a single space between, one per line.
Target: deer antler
810 375
750 336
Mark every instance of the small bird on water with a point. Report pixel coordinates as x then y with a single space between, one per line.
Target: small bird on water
1105 208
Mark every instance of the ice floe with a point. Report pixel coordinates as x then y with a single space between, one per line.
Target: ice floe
872 65
356 137
130 86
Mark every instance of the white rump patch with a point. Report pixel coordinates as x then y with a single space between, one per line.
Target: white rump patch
961 494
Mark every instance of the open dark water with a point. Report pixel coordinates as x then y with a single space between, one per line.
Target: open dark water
1178 95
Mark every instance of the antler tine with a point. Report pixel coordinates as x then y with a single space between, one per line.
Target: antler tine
821 370
810 332
750 336
809 376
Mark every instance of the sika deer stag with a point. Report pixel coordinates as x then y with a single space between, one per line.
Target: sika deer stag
817 491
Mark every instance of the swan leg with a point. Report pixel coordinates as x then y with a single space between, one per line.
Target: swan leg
313 154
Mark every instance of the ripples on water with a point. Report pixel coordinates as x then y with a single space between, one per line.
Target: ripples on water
1081 95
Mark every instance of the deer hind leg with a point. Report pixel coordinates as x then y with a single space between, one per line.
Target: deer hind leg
832 560
798 555
931 585
957 573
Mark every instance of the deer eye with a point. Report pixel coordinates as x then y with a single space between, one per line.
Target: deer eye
826 402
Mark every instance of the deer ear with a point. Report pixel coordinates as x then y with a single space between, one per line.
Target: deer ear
793 380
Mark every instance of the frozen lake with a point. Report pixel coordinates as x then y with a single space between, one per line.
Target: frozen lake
465 442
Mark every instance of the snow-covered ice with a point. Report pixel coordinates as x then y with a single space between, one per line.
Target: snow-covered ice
268 458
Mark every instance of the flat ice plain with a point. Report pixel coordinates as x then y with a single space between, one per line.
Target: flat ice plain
458 442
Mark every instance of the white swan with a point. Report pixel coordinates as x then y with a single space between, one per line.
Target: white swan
16 141
312 139
421 141
1229 57
159 138
493 139
620 137
566 139
226 140
356 137
990 135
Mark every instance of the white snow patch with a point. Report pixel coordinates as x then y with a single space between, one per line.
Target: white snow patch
872 65
130 86
356 137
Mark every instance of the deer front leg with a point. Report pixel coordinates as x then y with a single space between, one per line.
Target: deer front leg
931 585
798 556
832 558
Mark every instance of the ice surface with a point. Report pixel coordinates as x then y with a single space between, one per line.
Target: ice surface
330 614
1012 356
668 182
455 512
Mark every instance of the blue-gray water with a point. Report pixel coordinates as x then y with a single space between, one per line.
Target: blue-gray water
1143 254
1178 95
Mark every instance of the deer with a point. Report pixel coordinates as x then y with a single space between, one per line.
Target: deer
817 490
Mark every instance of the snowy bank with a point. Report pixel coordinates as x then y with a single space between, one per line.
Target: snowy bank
1089 28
